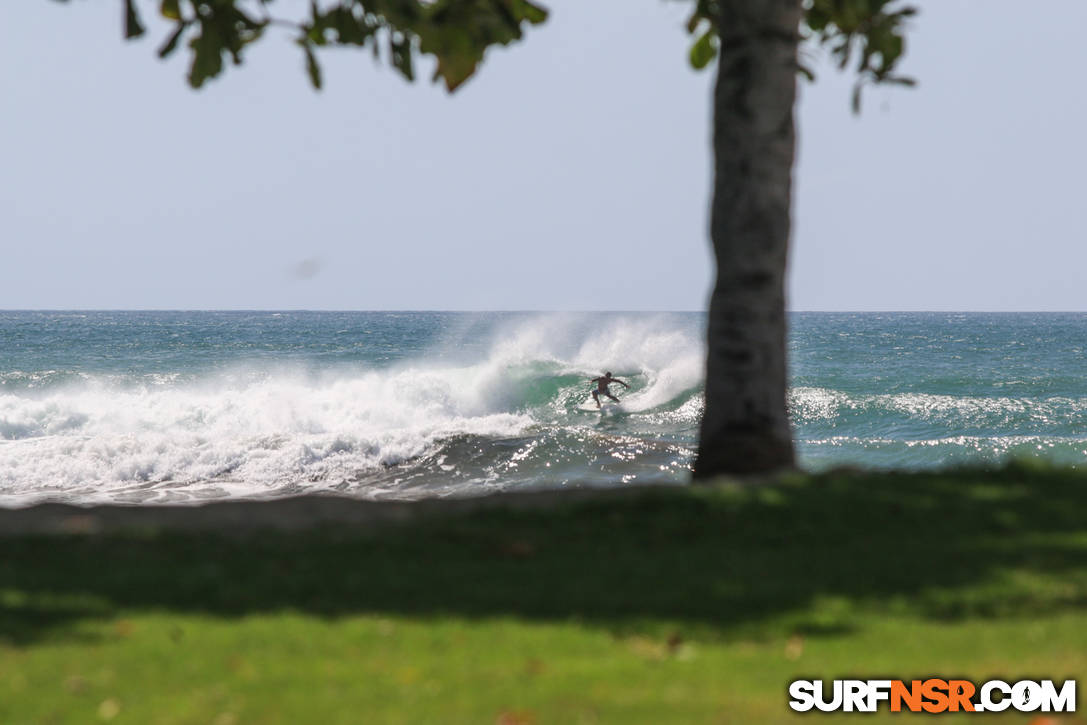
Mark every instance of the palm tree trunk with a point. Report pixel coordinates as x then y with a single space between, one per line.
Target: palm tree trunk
745 428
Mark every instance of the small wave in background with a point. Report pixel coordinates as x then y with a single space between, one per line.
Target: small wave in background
155 407
931 390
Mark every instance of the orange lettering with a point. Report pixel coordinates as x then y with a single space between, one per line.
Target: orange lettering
911 696
933 690
959 694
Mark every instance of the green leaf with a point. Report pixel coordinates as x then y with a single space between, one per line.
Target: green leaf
171 44
817 18
207 58
312 67
693 21
455 70
531 12
133 27
704 50
170 9
400 52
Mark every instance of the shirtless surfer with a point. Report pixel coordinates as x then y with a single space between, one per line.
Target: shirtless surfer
602 387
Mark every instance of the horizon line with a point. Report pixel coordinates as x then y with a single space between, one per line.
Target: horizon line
513 311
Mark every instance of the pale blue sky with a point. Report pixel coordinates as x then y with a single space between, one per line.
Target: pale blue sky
571 173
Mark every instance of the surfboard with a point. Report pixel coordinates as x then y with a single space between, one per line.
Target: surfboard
611 408
589 406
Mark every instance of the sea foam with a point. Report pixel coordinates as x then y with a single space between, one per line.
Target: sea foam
274 430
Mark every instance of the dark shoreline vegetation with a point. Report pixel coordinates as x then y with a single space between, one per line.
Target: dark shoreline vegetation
690 603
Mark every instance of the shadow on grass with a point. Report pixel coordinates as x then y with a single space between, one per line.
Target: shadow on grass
800 556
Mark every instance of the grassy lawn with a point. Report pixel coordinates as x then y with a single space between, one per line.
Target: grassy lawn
681 605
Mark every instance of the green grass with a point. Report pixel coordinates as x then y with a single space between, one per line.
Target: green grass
684 605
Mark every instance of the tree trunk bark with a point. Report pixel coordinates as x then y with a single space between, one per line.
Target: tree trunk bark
745 427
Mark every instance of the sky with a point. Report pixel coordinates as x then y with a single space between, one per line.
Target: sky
572 173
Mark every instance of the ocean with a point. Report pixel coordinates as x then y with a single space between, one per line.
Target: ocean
184 407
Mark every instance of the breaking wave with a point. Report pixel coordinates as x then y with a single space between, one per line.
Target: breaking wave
442 422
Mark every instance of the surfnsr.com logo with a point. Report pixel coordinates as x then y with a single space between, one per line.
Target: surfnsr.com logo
932 695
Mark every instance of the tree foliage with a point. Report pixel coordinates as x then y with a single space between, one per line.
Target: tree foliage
457 33
872 31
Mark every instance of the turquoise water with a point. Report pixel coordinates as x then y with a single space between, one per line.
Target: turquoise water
152 407
927 390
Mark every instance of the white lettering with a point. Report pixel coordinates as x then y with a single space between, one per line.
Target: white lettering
1026 696
987 702
834 703
1064 701
878 690
802 692
854 696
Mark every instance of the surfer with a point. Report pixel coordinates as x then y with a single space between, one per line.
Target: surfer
602 384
